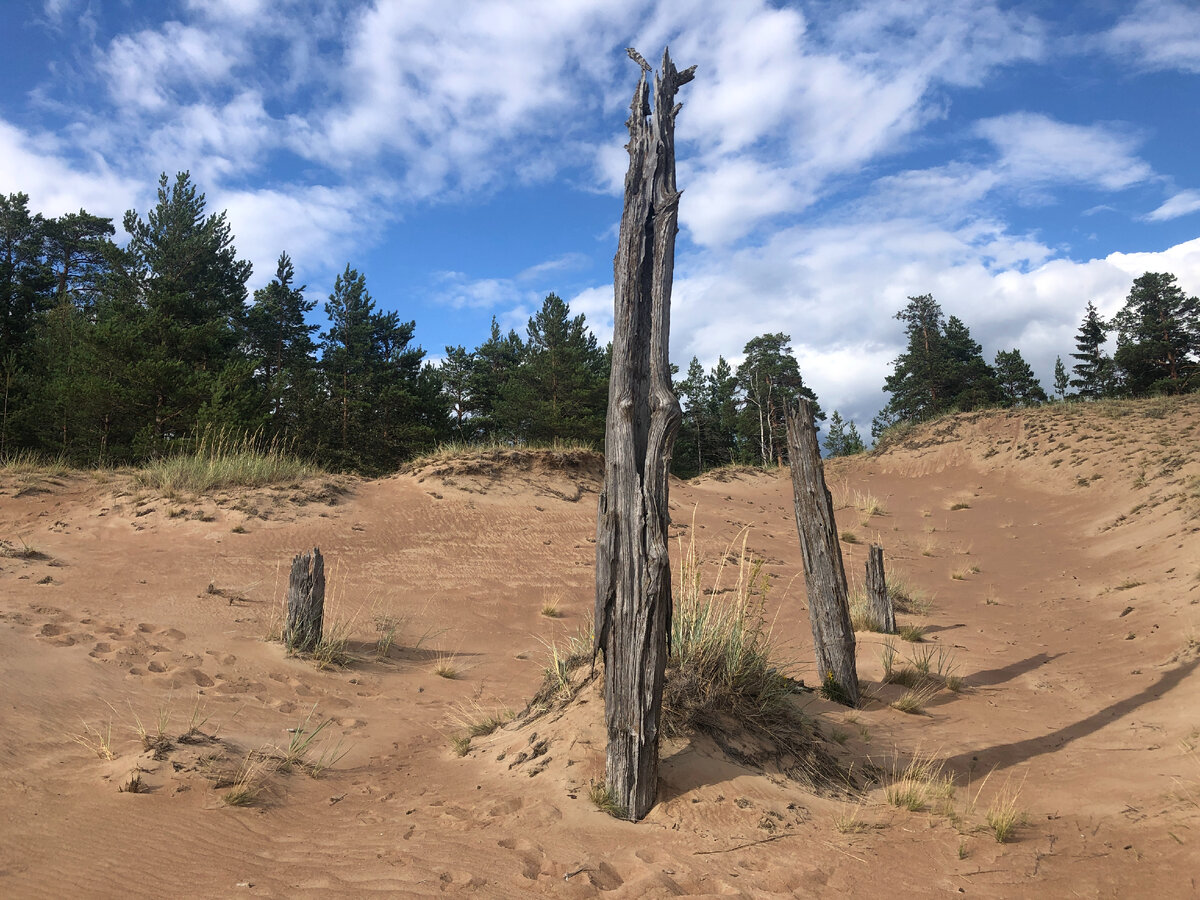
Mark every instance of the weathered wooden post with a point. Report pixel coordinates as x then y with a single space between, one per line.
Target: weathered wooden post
633 573
878 599
828 607
305 603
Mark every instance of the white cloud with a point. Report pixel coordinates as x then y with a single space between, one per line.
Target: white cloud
1037 150
57 184
144 70
319 227
1182 204
1159 34
563 263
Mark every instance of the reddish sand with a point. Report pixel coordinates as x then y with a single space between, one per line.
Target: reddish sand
1075 624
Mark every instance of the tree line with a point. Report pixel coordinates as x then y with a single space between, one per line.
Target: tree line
942 368
115 354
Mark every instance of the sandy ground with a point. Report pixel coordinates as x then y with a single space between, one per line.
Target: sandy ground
1059 553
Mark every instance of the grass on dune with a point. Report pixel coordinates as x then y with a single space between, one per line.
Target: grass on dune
459 450
724 674
222 460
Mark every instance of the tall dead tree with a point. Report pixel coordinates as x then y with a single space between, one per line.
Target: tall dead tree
633 574
305 603
828 607
878 599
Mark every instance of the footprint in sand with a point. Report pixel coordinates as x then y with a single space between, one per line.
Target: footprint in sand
188 677
530 855
157 667
51 630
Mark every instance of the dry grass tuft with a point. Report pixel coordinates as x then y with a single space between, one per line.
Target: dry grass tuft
224 459
723 676
444 667
96 741
1003 815
602 796
922 780
249 783
849 820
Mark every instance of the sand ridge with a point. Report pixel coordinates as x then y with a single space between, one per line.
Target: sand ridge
1074 630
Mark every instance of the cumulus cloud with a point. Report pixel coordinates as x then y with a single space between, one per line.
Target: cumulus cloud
57 182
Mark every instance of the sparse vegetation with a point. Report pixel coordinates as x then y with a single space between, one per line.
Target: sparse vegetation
387 627
849 820
922 780
249 783
222 459
1003 814
912 633
134 784
444 667
602 796
97 741
304 751
155 741
914 700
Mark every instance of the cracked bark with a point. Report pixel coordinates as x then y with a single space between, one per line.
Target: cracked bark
633 575
824 575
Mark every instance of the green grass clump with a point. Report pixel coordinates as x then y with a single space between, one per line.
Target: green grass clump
914 634
224 460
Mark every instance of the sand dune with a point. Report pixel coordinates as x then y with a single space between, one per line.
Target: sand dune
1057 549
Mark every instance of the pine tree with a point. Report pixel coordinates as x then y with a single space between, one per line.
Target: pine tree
25 293
179 316
843 438
769 379
560 390
917 382
1060 378
79 251
723 415
496 362
385 405
694 430
1158 337
970 383
455 373
1095 374
1018 385
282 349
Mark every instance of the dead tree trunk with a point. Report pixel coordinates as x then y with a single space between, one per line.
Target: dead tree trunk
828 608
633 574
305 603
878 599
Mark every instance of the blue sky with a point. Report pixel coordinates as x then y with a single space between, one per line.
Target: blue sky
1016 160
